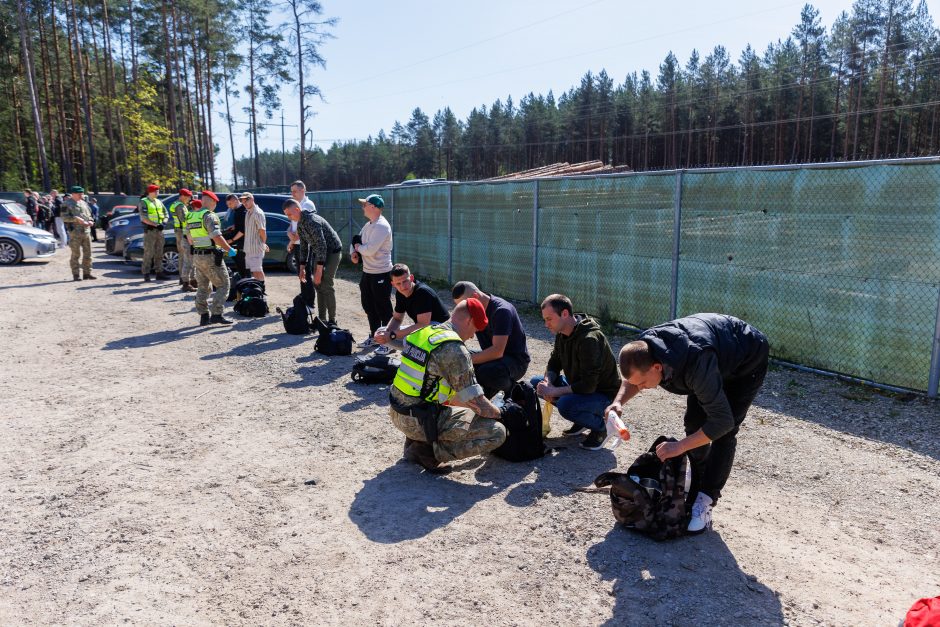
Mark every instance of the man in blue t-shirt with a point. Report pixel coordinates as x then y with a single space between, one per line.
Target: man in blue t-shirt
504 355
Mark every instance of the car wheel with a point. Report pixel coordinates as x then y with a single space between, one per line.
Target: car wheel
171 260
10 252
291 262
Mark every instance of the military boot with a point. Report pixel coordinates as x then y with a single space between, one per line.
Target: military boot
90 276
75 277
146 278
162 277
219 319
203 319
422 454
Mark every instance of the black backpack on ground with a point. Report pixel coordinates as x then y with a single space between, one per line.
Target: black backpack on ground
376 369
522 417
233 279
332 340
665 512
251 298
296 319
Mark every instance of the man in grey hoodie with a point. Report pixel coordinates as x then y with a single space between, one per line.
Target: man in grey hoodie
590 380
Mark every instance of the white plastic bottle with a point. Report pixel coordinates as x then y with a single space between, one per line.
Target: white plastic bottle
616 431
499 399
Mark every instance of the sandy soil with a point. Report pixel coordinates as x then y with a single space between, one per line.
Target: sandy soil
155 472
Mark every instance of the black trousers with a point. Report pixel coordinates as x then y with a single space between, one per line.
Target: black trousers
308 289
500 374
240 266
375 292
711 464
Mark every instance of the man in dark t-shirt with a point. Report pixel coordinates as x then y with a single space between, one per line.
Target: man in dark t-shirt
504 355
418 300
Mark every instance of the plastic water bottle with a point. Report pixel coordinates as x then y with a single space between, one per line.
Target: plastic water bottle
499 400
616 431
547 408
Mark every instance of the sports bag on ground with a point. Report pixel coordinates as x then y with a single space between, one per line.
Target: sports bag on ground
251 298
233 279
332 340
659 510
522 417
376 369
296 319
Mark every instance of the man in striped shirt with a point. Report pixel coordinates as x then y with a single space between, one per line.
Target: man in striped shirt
256 237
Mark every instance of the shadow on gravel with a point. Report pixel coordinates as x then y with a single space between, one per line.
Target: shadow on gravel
18 287
403 503
557 473
154 339
269 342
323 373
369 395
693 580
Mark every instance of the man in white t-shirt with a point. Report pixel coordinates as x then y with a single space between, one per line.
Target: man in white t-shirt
373 246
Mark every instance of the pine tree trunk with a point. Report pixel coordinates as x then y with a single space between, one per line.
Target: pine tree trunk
83 71
67 169
168 44
33 97
231 136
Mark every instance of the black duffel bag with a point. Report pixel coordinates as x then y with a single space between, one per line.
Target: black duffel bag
522 417
332 340
376 369
297 318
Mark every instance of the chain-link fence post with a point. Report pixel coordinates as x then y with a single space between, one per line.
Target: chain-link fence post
391 221
349 222
535 243
934 380
450 234
676 234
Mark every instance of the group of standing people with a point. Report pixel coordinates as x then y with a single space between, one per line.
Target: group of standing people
45 211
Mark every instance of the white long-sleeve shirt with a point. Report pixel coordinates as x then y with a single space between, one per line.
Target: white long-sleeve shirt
376 246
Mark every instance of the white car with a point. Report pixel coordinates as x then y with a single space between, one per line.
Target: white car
24 242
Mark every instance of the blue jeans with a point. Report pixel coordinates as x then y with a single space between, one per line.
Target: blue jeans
585 410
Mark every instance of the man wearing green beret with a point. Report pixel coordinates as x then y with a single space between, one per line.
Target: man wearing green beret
76 214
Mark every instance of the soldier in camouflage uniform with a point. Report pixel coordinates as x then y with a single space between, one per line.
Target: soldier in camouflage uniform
204 232
436 369
77 215
178 211
152 216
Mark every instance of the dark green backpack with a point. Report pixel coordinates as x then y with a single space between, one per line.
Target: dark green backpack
664 513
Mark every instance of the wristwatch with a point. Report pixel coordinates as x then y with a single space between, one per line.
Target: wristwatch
392 335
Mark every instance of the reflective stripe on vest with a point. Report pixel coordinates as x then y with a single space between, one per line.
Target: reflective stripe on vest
176 221
197 230
412 375
156 212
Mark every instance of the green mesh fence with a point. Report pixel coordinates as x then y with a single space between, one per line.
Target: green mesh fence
840 266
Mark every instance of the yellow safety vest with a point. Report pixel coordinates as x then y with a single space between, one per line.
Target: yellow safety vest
176 221
412 378
197 230
156 212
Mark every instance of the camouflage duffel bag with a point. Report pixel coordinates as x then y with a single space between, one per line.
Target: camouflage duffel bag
659 507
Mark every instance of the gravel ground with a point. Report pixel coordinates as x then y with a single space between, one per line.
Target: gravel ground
156 472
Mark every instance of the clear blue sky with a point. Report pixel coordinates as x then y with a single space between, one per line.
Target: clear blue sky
390 57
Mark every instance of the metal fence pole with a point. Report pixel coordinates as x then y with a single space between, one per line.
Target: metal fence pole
934 380
349 222
535 243
450 234
391 222
676 234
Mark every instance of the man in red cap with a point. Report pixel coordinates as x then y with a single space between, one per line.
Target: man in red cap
178 211
152 215
204 232
435 399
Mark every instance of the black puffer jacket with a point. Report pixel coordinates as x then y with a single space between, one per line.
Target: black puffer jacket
700 353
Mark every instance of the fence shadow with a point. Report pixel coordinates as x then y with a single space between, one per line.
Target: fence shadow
154 339
693 580
403 503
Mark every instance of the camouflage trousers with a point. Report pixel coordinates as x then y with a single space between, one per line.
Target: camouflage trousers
185 255
461 433
209 275
153 251
80 243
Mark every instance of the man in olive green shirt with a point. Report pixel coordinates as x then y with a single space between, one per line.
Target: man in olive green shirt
77 215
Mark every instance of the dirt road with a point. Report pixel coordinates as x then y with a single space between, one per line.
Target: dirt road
155 472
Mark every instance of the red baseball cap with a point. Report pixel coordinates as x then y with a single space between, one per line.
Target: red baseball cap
186 192
211 195
197 204
153 188
477 313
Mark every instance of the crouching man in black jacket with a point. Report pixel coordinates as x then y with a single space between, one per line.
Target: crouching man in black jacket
719 362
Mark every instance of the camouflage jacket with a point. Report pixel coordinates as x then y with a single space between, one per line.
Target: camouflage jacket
660 516
72 209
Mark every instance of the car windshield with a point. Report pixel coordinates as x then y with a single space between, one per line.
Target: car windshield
15 208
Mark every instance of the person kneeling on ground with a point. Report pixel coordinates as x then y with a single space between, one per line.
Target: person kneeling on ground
719 362
590 380
436 369
418 300
504 357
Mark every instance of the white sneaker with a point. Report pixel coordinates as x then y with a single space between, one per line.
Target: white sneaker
383 350
367 343
701 514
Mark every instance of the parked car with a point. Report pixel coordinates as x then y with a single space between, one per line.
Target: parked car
12 212
277 225
117 210
19 242
119 229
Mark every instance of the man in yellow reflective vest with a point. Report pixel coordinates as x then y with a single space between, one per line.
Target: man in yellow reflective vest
436 369
178 211
152 216
204 232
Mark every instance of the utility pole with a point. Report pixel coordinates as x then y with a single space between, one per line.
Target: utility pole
251 146
283 152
